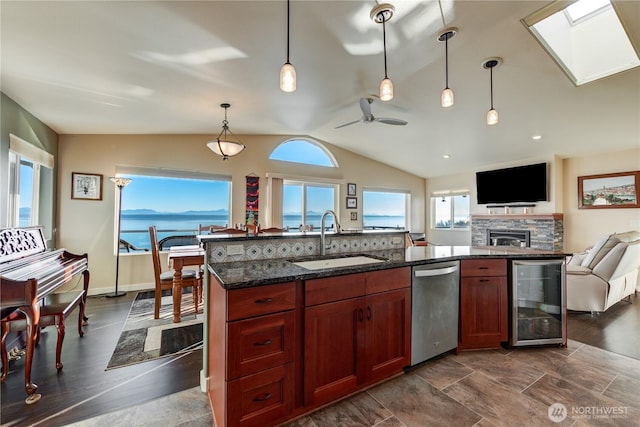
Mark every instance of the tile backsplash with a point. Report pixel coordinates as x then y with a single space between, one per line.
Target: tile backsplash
299 245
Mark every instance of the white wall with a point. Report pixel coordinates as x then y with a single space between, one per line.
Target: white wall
89 226
582 227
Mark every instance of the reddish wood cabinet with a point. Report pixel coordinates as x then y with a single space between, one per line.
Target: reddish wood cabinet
252 343
357 332
483 303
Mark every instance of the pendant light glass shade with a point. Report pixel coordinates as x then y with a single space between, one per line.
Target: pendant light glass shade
287 72
223 145
386 89
446 99
492 117
288 78
492 114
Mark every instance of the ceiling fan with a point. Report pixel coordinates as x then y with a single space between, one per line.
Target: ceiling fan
367 117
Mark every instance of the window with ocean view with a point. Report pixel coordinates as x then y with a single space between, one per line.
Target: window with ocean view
304 202
30 186
176 205
384 209
450 212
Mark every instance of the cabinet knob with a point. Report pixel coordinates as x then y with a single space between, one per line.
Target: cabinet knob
369 313
266 342
264 301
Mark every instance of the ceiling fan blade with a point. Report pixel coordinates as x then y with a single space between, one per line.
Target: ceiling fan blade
365 106
347 124
388 121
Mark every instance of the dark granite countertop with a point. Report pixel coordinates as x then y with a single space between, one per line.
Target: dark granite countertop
246 274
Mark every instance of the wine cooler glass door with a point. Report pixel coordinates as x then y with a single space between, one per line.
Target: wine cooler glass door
538 305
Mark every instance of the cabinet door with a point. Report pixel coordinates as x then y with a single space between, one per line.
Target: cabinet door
331 351
483 312
388 333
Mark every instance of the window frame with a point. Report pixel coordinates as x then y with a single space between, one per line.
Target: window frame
130 171
311 182
407 203
439 195
21 152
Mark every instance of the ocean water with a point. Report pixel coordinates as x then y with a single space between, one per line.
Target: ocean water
135 228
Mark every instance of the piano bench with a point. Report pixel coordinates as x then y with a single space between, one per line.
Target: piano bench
53 311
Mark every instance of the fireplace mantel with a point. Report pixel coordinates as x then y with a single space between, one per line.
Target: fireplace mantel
551 216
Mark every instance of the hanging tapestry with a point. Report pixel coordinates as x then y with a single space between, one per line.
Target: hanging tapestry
252 202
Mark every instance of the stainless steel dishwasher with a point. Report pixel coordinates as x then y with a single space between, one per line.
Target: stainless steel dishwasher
434 309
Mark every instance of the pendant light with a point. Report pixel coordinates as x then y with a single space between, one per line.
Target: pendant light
491 63
380 14
287 72
224 146
446 99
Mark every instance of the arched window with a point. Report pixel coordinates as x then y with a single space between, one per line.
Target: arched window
304 151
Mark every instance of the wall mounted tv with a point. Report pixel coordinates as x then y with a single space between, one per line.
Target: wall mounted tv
520 184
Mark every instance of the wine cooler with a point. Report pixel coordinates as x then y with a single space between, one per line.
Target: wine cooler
538 313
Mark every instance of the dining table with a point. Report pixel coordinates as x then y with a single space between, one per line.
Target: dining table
179 257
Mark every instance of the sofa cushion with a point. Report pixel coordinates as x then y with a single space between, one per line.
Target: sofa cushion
628 236
599 250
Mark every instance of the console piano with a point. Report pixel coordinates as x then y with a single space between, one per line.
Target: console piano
28 273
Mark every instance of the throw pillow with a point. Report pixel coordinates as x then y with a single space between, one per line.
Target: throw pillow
599 250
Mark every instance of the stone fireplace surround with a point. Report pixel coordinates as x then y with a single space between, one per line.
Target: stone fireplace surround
546 231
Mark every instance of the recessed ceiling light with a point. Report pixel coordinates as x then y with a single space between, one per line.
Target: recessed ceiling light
536 137
446 156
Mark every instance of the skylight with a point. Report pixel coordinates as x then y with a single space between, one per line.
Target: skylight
585 38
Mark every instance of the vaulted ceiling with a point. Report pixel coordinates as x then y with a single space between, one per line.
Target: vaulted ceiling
162 67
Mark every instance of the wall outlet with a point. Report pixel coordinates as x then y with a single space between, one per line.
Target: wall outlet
235 250
396 240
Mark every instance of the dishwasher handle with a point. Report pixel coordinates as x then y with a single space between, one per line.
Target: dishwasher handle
435 271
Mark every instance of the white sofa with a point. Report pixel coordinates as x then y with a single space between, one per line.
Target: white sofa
605 274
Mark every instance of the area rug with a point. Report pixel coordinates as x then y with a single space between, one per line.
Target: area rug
144 338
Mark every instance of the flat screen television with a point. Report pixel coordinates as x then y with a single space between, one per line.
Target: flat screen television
520 184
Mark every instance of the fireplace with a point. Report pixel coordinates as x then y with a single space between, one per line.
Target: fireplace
519 238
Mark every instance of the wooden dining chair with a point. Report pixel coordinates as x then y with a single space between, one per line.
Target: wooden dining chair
164 280
203 228
229 231
274 230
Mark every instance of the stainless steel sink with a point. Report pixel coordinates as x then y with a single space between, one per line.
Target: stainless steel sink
348 261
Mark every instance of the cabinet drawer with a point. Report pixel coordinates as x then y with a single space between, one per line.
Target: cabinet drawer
261 399
387 280
483 267
336 288
260 343
243 303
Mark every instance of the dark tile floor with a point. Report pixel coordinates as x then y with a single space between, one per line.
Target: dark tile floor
479 388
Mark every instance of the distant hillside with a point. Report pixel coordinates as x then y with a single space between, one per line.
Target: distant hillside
132 212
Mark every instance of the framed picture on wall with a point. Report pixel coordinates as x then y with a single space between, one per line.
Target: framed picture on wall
86 186
352 203
354 216
351 189
612 190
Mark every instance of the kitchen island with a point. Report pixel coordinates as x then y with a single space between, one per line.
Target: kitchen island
284 340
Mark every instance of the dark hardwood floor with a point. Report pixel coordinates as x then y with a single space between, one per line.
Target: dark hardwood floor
616 330
84 389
